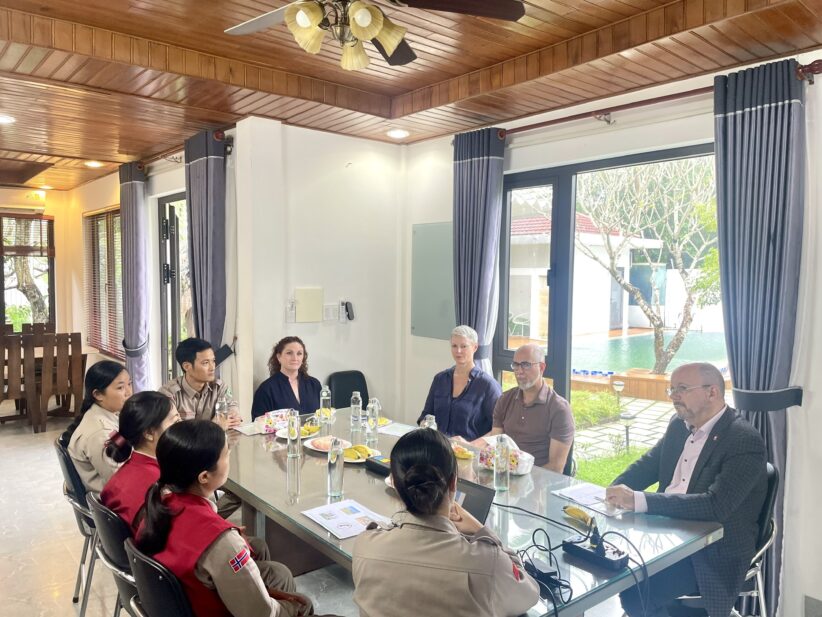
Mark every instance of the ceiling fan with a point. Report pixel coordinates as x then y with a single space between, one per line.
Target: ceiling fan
351 22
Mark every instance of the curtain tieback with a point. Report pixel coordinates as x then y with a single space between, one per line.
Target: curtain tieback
136 352
483 352
767 400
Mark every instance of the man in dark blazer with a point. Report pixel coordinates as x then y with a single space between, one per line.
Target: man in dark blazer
710 465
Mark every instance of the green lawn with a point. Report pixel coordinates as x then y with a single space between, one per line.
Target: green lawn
603 470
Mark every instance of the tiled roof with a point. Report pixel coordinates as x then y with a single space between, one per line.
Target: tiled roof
541 225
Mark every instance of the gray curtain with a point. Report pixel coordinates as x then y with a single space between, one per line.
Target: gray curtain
478 163
760 161
205 200
134 233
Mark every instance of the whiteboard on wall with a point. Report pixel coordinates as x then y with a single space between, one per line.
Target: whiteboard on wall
432 280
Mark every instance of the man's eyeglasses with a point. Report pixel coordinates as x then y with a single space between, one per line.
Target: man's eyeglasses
523 365
679 390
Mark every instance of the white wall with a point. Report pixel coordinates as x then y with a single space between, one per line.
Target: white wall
319 210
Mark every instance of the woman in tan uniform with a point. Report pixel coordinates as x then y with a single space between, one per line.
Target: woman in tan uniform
209 556
435 559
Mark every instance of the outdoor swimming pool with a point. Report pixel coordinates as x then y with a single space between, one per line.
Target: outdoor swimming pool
618 354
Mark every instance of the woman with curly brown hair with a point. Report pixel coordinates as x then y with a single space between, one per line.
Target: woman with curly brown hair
290 386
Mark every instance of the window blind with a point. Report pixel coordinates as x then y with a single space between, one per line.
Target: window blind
103 283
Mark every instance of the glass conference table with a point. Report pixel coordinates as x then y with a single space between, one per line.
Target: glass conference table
277 488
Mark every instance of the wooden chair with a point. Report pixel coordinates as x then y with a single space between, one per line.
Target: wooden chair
19 381
62 372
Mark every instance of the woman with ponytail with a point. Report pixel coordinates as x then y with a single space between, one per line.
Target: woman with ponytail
144 418
107 388
183 531
435 554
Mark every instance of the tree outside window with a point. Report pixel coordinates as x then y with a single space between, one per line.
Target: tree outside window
28 269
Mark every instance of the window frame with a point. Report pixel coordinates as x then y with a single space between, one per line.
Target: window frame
50 254
560 269
169 250
92 288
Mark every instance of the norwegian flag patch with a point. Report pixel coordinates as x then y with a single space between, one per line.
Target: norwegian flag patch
239 560
517 573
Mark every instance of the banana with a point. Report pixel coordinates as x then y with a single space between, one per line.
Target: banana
353 454
364 451
579 514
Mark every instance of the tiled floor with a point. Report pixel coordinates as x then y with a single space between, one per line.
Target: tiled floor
40 546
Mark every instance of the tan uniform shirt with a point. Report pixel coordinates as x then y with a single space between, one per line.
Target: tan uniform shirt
87 447
424 566
197 405
534 426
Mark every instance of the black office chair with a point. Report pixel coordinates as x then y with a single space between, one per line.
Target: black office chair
112 532
75 493
343 383
570 468
159 593
691 606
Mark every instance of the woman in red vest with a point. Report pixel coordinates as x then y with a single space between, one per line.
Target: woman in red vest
145 416
183 531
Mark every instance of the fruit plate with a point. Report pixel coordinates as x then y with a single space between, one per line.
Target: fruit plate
383 421
359 461
323 444
283 434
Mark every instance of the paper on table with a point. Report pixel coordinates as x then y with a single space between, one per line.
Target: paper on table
345 519
252 428
396 429
591 496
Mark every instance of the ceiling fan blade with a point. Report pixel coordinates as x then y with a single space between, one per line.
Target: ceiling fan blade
261 22
403 54
510 10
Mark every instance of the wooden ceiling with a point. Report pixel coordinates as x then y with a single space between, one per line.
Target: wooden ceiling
120 80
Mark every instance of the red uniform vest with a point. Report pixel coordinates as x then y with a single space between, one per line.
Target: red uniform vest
125 492
194 528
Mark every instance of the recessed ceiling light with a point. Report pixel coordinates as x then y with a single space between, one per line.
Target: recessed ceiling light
46 187
4 119
93 164
398 133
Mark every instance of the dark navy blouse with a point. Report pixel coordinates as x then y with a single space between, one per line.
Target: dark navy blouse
276 393
468 415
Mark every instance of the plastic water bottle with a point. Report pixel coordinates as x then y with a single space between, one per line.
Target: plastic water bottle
294 442
292 480
335 469
372 421
502 457
429 421
356 409
221 411
325 398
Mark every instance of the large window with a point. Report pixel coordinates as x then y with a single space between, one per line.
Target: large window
177 321
28 269
104 283
612 267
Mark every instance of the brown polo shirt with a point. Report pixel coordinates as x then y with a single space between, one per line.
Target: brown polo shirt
534 426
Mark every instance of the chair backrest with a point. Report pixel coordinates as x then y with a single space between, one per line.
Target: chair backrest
569 470
62 366
74 485
343 383
766 514
19 381
112 531
161 594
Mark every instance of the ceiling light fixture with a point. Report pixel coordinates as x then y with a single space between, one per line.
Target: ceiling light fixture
398 133
46 187
93 164
4 119
353 22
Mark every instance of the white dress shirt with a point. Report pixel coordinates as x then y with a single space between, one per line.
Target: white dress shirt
686 463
